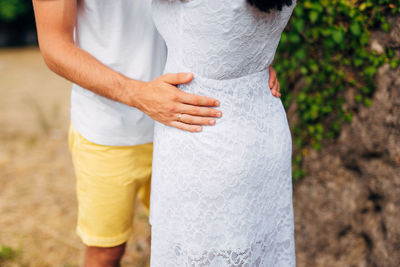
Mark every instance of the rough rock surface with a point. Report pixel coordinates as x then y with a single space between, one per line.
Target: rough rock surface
347 209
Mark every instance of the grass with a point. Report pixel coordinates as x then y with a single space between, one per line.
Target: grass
8 254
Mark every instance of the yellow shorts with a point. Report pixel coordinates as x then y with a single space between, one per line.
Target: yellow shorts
109 179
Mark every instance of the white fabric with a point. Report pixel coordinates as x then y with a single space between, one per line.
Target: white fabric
121 34
223 197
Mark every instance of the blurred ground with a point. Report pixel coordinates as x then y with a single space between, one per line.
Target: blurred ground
37 197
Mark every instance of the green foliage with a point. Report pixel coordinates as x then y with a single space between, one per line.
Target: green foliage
11 9
8 254
327 44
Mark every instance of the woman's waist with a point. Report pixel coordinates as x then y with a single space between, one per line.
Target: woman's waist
252 87
217 66
215 73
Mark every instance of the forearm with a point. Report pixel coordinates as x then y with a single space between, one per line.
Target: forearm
79 67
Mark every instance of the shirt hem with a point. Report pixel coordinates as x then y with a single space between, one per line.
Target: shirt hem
113 141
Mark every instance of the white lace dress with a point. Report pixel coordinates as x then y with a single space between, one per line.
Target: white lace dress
223 197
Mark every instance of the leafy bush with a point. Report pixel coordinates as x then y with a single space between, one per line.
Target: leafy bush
12 9
327 46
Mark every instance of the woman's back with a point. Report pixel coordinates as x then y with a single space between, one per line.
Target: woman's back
219 39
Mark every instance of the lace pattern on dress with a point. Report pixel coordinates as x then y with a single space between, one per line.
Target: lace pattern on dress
223 197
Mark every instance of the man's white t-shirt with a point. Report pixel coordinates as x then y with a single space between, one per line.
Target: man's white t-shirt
121 35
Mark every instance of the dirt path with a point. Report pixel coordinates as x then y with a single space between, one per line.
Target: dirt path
37 197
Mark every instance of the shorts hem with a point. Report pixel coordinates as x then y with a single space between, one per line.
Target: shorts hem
94 241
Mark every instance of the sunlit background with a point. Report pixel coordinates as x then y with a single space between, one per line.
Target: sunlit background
338 64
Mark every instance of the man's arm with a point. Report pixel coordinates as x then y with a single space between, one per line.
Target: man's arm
160 99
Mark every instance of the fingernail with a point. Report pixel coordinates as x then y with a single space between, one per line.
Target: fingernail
219 114
217 103
198 129
212 121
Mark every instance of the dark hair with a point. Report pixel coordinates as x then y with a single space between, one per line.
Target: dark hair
267 5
